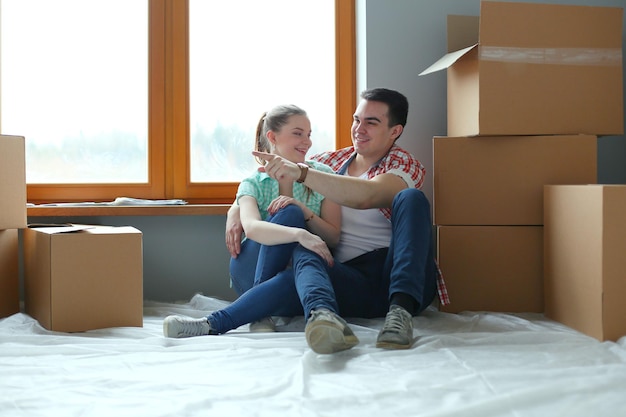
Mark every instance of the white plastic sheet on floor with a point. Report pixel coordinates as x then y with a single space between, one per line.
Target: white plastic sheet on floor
471 364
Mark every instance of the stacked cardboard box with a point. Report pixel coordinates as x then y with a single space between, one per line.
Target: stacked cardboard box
12 218
488 205
526 101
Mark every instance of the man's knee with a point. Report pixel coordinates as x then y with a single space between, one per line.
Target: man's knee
411 196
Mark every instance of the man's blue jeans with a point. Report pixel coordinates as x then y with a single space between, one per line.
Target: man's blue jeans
362 287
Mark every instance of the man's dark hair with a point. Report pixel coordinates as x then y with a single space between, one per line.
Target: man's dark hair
397 102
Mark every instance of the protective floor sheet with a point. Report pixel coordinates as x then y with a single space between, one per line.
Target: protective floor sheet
471 364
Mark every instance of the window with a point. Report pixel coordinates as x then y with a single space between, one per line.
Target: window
148 90
277 52
76 89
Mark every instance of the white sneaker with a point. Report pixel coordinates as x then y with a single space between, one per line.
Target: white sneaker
180 326
326 332
397 332
265 325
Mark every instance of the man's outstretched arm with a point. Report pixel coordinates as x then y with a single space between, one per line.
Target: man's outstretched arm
348 191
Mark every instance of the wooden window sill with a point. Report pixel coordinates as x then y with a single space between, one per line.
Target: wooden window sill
148 210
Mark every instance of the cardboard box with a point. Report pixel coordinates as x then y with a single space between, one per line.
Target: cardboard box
492 268
585 258
535 69
80 277
9 273
499 180
13 183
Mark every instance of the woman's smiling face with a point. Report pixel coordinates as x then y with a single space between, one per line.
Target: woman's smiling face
293 140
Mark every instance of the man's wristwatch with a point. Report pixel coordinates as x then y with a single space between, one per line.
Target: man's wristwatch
304 169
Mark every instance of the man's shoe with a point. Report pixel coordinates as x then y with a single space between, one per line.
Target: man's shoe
265 325
397 332
326 332
179 326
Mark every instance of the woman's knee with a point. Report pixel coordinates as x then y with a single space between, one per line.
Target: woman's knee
291 215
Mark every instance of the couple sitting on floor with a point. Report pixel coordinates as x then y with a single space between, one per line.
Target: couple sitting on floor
363 202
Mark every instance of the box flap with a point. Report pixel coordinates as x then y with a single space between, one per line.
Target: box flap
447 60
113 230
527 33
52 229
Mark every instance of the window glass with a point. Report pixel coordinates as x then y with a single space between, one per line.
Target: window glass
74 83
247 56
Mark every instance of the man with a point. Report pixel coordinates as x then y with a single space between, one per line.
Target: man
385 264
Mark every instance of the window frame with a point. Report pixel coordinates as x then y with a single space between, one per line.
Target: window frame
168 115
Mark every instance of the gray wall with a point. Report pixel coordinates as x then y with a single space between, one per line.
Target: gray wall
397 39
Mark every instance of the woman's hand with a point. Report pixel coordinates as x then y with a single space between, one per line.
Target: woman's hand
281 202
234 231
315 244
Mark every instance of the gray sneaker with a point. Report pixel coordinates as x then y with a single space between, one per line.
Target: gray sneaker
397 332
265 325
180 326
326 332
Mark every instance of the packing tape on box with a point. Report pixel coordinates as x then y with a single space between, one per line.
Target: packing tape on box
557 56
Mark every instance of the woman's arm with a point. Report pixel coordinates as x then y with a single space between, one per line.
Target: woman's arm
327 225
234 231
267 233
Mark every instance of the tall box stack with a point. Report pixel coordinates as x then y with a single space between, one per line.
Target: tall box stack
12 218
488 205
530 87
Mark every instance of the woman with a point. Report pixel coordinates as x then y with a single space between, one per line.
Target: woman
276 216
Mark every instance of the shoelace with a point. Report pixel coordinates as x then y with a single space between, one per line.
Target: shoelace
324 315
395 321
315 314
193 328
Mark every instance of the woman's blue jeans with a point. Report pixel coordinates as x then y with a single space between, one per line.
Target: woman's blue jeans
262 277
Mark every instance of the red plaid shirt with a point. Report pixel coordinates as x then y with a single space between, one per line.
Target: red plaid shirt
397 161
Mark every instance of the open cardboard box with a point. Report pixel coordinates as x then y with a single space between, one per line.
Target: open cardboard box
83 277
534 69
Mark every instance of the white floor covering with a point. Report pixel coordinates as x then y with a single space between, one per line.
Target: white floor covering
471 364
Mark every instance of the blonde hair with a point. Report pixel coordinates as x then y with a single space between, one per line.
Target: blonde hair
273 120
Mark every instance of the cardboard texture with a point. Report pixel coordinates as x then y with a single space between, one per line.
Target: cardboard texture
80 278
13 184
585 262
534 69
499 180
492 268
9 273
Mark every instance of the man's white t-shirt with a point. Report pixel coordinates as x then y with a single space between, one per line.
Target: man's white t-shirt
362 231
